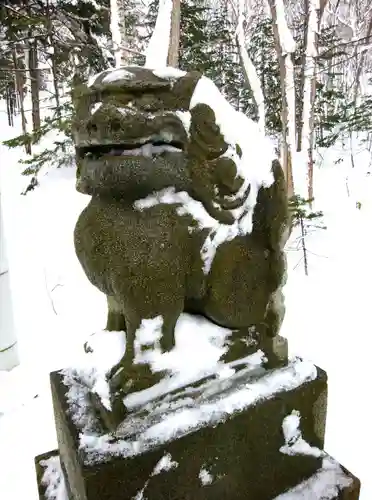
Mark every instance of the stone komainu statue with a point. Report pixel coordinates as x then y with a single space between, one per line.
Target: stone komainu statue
188 210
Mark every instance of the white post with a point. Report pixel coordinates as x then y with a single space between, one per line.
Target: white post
8 341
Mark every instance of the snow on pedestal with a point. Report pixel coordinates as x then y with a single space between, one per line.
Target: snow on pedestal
327 482
191 432
53 479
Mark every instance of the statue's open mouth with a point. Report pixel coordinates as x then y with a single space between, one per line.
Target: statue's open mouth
147 149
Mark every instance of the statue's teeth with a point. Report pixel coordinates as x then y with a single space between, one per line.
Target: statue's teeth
165 147
132 152
147 149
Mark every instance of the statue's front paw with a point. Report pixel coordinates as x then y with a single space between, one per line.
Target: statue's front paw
135 378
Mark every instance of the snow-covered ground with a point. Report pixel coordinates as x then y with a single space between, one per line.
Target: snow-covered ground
56 308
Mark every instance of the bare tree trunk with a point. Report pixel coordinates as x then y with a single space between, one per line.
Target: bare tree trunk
19 80
33 72
53 60
123 32
319 9
10 105
310 172
287 134
300 104
249 71
116 32
362 61
157 50
174 41
309 88
35 84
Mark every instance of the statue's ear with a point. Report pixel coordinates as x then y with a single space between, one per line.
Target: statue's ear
206 140
183 89
271 213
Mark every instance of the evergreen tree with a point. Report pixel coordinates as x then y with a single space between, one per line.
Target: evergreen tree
306 219
262 52
73 36
207 44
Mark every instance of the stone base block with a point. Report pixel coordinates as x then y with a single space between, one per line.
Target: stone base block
224 439
345 485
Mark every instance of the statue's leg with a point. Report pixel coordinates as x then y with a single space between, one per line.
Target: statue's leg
264 336
274 346
274 313
242 343
120 374
115 316
167 341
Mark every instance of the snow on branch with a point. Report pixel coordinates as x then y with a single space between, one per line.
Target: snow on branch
158 47
115 32
287 42
250 72
287 47
310 62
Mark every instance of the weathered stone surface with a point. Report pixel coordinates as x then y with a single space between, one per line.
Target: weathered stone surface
138 134
349 492
326 484
59 476
240 454
352 491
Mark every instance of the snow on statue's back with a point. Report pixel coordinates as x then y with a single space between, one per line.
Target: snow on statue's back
188 214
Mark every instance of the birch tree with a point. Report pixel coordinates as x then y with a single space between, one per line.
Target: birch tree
117 28
250 74
306 139
285 47
363 57
174 42
158 48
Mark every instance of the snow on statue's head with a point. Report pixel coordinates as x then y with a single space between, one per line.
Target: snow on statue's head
141 129
188 206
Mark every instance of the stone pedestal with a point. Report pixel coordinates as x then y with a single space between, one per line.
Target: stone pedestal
220 439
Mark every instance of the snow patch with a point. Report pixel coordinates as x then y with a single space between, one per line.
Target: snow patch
288 45
92 79
325 484
165 464
53 479
205 477
208 413
158 47
169 73
88 374
294 442
96 107
149 330
185 117
257 150
188 415
148 334
218 234
189 206
118 74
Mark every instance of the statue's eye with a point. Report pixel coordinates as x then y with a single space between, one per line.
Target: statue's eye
147 101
